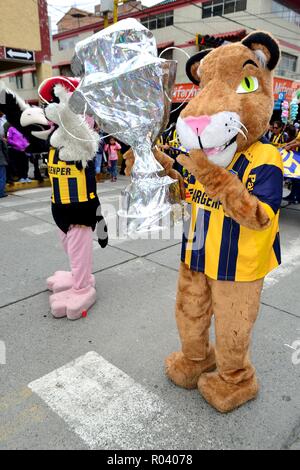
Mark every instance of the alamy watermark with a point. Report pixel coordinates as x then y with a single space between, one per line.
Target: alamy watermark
2 353
296 354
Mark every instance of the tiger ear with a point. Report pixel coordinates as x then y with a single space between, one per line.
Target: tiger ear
193 65
265 47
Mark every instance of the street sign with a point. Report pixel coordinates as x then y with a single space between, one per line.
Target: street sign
19 54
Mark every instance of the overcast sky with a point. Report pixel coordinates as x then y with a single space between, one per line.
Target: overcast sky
57 8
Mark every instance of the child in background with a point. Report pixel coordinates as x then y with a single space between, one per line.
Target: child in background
112 150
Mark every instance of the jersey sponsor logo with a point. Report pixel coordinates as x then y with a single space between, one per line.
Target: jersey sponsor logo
200 198
58 171
251 182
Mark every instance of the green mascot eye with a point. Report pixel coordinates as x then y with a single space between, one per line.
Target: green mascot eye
248 85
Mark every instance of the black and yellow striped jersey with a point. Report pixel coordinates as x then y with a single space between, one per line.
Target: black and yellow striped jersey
217 245
70 183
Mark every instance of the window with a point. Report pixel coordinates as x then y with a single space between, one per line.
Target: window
152 24
19 81
229 8
207 10
287 64
170 19
68 43
285 13
240 5
222 7
159 21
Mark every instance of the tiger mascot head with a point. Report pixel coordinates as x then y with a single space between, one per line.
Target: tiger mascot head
235 102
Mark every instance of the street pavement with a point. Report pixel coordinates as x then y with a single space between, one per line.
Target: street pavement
99 383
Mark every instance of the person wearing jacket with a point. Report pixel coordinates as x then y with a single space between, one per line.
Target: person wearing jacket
278 138
3 165
18 144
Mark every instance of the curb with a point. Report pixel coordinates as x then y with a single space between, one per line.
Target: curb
11 188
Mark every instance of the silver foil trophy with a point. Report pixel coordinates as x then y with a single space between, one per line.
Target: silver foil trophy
128 90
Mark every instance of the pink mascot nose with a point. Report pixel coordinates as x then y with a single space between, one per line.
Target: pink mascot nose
198 124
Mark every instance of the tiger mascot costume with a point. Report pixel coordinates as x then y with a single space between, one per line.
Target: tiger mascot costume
233 185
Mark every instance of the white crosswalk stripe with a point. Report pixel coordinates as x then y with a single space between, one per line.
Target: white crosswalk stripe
27 192
39 211
39 229
17 202
11 216
106 407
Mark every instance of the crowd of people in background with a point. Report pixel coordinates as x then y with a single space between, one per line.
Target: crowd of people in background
15 159
283 135
287 136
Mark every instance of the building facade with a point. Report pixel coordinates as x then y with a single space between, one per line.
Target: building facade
25 52
177 23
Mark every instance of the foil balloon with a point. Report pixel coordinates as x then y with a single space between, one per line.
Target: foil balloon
128 90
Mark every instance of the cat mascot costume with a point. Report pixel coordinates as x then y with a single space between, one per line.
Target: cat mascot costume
75 205
231 240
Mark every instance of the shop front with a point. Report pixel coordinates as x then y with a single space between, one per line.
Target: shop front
284 89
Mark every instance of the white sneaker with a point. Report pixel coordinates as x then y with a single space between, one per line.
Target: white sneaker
22 180
28 180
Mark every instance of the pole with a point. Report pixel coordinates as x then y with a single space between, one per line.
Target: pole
116 5
106 19
115 13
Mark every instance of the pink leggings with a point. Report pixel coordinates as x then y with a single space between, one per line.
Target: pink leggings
78 244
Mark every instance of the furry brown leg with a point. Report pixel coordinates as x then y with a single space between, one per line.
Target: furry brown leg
236 306
193 315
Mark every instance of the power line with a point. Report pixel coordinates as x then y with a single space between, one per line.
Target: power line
247 13
274 24
192 35
245 25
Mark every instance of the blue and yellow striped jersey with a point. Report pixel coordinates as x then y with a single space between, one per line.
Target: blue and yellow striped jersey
70 184
215 244
278 140
291 163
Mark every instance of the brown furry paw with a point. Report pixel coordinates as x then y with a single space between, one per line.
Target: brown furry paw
184 372
224 396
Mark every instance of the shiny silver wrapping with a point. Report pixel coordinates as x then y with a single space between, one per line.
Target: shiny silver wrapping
128 90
